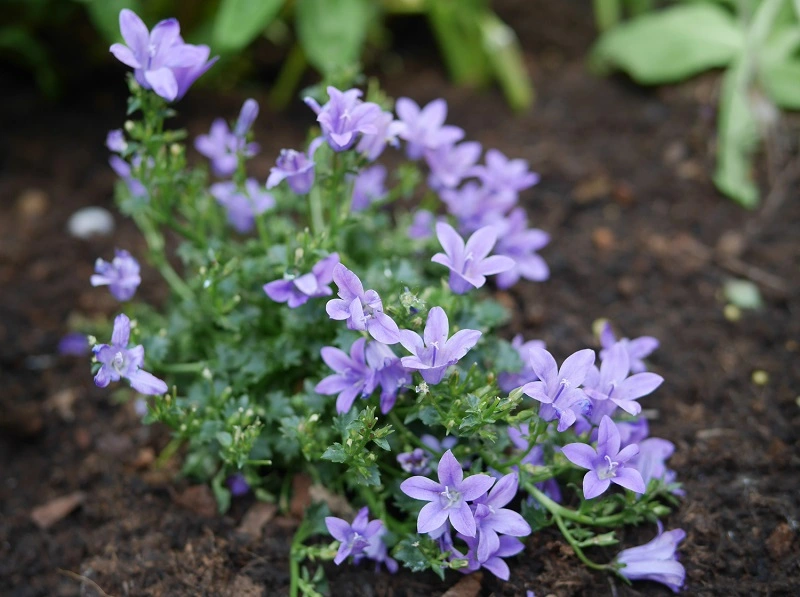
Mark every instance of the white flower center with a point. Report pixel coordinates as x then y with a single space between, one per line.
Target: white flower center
118 363
610 470
450 497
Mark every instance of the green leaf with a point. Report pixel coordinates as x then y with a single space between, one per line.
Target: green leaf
335 453
781 82
670 45
743 293
105 15
332 32
239 22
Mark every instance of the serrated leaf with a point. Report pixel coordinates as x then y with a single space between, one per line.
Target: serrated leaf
335 453
670 45
332 32
239 22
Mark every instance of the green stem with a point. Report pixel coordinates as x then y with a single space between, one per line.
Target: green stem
576 547
562 512
294 566
315 209
183 367
168 452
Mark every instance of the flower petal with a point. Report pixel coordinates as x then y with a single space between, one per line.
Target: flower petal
134 31
338 528
580 454
431 517
630 478
122 331
125 55
450 471
475 486
436 328
163 82
593 485
421 488
451 242
576 366
463 520
147 383
481 242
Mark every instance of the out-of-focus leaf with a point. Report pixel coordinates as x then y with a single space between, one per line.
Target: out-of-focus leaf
505 57
743 293
779 68
457 28
670 45
239 22
105 15
332 32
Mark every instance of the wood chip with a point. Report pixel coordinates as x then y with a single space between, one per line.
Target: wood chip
48 514
255 519
469 586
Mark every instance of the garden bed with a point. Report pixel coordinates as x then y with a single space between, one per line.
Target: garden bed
640 236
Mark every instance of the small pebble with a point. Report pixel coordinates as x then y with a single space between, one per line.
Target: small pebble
603 238
732 313
760 377
91 221
32 204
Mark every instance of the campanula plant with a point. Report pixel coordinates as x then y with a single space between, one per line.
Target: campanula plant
318 327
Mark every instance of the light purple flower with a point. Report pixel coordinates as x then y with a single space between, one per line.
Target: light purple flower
296 290
492 518
632 432
247 116
237 485
154 55
386 131
123 170
186 76
368 187
436 446
422 225
448 498
117 362
607 464
434 352
353 376
355 537
424 128
344 116
508 381
612 383
651 459
121 275
558 389
73 345
638 349
296 168
452 163
469 263
475 207
390 374
362 310
222 147
505 176
242 207
415 462
656 560
509 546
115 141
377 552
520 243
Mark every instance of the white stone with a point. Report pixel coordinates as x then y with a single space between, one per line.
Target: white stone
91 221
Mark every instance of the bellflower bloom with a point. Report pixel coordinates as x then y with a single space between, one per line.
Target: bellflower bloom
424 128
520 243
508 381
452 163
73 345
607 464
242 207
475 207
390 374
123 170
492 518
121 275
638 349
468 263
154 55
237 485
117 361
438 447
363 311
247 116
353 376
115 141
353 538
505 176
651 459
422 225
186 76
558 389
222 147
434 352
386 131
612 383
296 168
415 462
632 432
296 291
448 498
368 187
509 546
656 560
345 116
377 552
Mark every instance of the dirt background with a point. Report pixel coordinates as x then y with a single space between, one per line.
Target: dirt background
639 236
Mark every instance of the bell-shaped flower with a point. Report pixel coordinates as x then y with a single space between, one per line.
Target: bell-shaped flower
344 116
638 348
296 168
296 290
369 187
520 243
492 518
656 560
509 380
371 145
353 538
509 546
424 128
433 353
390 374
242 207
475 207
505 176
452 163
353 376
121 275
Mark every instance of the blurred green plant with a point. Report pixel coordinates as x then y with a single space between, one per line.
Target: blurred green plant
757 41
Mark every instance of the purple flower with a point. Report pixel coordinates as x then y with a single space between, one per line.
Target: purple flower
633 432
345 116
390 374
377 552
369 187
637 349
237 485
612 383
73 345
558 389
354 538
509 546
123 170
242 207
438 447
425 129
448 498
353 376
505 176
186 76
474 207
451 163
297 290
415 462
154 55
297 168
363 311
223 148
422 225
651 459
247 116
434 352
117 362
121 275
509 381
115 141
656 560
607 463
492 518
468 263
386 131
520 243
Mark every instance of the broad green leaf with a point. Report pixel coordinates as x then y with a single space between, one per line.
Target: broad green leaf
239 22
332 32
105 15
670 45
781 82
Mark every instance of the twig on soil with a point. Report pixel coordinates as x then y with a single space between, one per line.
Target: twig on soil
84 579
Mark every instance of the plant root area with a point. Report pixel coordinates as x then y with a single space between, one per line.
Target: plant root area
639 236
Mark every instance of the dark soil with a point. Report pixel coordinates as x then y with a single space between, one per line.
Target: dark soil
639 236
